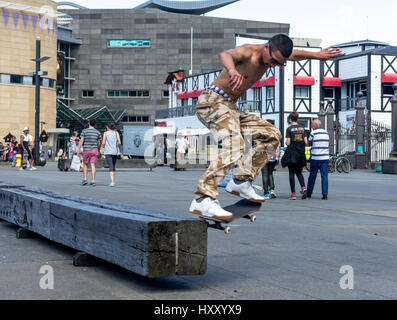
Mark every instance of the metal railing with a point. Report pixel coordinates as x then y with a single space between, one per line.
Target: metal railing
183 111
250 105
350 103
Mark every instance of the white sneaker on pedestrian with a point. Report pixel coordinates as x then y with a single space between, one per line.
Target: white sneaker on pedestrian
244 190
209 208
32 168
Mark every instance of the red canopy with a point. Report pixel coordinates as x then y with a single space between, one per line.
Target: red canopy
389 77
331 82
179 95
264 82
304 80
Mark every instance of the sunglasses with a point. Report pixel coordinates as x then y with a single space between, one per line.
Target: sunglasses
274 61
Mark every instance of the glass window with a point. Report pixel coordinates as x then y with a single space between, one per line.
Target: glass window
133 93
146 93
110 93
46 82
270 92
301 92
329 93
123 93
166 93
145 118
90 93
139 93
27 80
5 78
128 43
387 89
15 78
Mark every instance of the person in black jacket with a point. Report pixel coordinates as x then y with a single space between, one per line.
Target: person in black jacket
296 141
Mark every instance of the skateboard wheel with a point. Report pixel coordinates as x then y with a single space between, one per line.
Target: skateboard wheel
253 218
227 230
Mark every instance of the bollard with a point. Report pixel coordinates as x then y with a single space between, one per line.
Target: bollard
18 163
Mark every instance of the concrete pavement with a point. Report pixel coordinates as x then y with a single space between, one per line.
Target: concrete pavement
295 249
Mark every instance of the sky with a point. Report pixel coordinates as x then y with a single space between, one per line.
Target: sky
334 22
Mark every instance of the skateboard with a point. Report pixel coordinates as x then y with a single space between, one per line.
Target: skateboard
24 160
241 209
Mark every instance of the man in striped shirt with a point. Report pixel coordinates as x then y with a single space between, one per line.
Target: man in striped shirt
319 140
90 140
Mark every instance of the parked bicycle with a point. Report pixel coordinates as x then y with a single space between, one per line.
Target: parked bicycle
339 163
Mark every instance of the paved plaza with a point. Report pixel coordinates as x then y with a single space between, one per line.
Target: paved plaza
295 250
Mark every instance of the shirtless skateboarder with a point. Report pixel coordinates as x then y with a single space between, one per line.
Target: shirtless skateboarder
216 109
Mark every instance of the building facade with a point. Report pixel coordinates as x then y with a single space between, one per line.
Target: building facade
21 23
310 87
124 55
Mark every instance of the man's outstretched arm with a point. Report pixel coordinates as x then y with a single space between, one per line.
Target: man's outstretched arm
324 54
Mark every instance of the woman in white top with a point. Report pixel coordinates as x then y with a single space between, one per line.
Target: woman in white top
110 143
181 146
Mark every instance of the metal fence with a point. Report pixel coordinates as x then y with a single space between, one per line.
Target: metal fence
379 139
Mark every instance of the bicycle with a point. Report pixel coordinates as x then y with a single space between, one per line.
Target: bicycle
339 163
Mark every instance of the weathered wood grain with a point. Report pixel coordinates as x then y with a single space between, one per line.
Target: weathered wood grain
150 243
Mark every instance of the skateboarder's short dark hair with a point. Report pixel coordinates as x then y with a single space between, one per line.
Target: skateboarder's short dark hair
282 43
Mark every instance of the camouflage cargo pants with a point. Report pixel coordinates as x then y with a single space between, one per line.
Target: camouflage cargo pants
230 127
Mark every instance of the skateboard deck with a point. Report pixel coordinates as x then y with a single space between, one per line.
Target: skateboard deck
24 160
241 209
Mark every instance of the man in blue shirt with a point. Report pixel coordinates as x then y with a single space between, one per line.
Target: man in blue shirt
319 140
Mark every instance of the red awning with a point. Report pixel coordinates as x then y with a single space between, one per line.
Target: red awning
264 82
389 77
179 95
185 95
331 82
304 80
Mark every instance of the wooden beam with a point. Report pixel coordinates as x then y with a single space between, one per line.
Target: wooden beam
150 243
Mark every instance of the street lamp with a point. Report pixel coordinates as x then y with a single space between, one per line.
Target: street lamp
37 75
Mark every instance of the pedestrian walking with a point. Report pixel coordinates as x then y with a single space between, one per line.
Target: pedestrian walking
319 140
72 144
90 140
181 144
26 140
111 144
267 172
296 157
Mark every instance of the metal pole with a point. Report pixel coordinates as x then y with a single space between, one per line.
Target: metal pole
360 130
191 50
37 106
393 153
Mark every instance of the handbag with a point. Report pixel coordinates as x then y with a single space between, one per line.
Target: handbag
286 158
75 165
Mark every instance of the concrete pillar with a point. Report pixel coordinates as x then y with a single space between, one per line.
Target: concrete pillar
321 114
393 153
331 130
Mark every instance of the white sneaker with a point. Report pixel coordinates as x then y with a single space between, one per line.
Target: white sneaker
32 168
209 208
244 190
